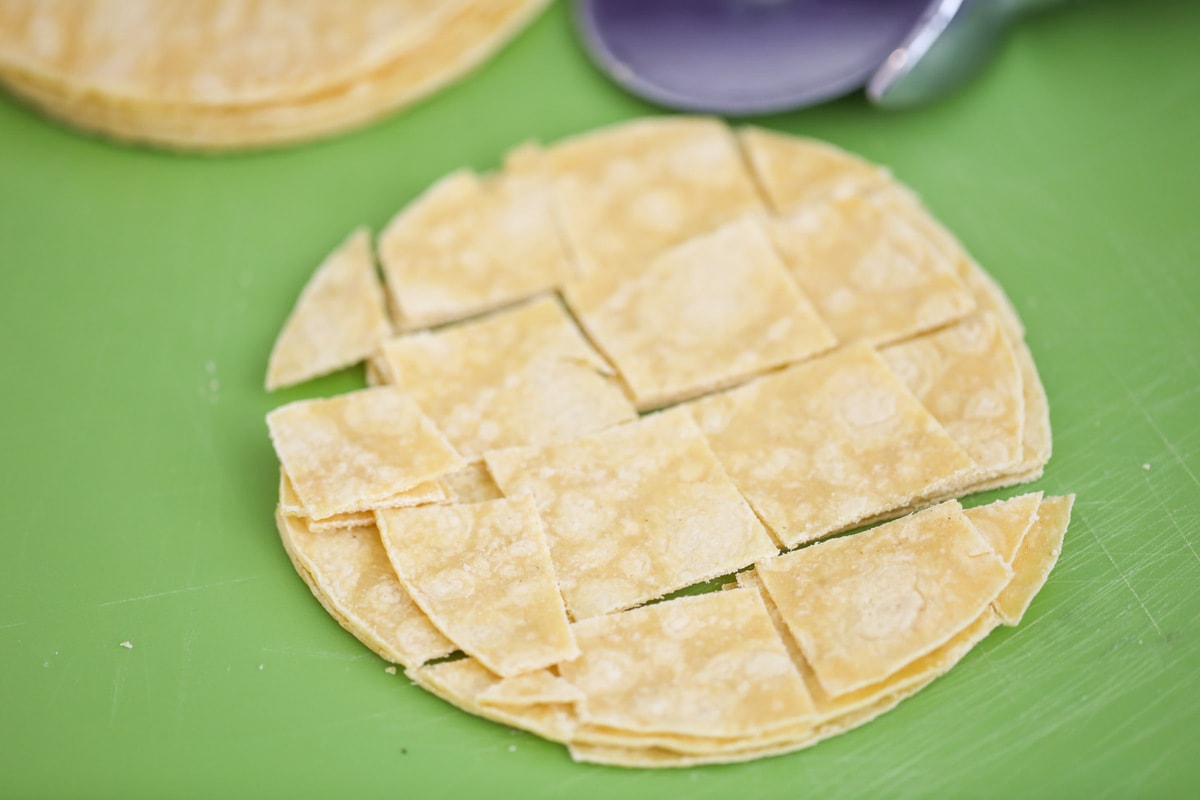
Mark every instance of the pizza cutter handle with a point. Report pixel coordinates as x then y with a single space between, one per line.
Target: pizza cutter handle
948 46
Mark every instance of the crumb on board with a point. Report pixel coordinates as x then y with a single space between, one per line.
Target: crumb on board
127 645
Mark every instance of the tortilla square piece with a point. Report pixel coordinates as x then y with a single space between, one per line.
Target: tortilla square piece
968 377
472 244
795 172
704 315
428 492
482 573
1035 558
521 376
634 512
339 319
355 451
863 606
707 665
873 273
1005 523
349 572
826 444
628 192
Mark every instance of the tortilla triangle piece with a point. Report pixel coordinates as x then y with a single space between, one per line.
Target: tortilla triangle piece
520 376
355 451
703 315
872 272
634 512
338 321
482 573
705 665
1035 558
795 172
463 681
1005 523
863 606
917 672
348 571
627 192
470 244
968 377
531 688
824 445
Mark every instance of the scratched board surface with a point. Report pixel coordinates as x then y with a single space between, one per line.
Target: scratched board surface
140 293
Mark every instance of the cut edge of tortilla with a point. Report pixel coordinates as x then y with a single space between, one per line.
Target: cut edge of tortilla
1035 559
345 617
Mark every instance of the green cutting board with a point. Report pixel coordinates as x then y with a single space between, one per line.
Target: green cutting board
140 293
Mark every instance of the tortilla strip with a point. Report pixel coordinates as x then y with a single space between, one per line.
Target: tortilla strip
1036 558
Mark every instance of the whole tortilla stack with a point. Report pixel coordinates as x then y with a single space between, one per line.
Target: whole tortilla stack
241 74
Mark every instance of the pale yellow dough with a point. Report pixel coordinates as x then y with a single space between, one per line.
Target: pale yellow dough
338 321
349 573
355 451
472 244
706 314
520 376
482 573
710 665
863 606
826 444
811 353
634 512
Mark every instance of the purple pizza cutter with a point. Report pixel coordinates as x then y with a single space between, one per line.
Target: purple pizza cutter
741 57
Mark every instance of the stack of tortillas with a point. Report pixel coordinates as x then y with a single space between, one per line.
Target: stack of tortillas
234 74
666 360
